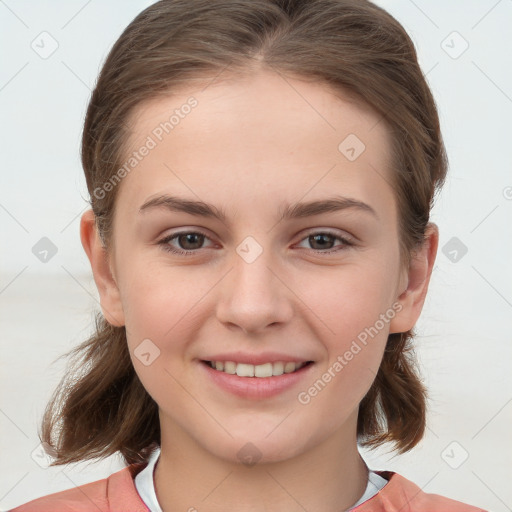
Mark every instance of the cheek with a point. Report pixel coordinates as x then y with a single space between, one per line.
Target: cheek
161 303
158 330
356 310
358 317
162 319
351 299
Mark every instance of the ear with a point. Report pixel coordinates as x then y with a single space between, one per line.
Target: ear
110 299
418 278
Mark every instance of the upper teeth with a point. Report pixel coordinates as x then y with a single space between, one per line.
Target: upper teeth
251 370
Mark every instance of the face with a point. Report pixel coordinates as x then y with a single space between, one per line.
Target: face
267 279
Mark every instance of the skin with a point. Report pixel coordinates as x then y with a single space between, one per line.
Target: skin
250 146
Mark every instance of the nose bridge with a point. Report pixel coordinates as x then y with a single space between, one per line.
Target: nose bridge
253 297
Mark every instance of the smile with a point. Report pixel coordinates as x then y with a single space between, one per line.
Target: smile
261 370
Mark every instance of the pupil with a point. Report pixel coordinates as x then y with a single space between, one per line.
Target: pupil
315 237
189 237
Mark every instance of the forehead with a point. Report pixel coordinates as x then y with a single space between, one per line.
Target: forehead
257 99
264 133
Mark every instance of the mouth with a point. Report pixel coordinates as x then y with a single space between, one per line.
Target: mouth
256 381
270 369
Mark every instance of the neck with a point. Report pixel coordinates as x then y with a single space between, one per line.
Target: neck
330 476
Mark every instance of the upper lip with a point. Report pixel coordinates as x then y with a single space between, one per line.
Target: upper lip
256 359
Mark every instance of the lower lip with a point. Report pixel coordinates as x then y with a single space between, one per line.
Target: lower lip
256 387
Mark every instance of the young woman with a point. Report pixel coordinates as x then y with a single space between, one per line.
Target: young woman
261 175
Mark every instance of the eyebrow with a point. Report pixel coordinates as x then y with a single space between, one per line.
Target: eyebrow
291 211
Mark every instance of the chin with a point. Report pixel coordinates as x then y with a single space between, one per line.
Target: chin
248 450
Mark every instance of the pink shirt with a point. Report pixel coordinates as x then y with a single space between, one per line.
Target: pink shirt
118 493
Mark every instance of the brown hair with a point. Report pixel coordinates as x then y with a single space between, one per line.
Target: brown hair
100 407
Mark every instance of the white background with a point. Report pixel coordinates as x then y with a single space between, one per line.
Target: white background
464 346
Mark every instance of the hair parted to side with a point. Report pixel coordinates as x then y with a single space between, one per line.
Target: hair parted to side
100 407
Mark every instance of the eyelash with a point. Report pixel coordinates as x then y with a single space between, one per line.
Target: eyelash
168 248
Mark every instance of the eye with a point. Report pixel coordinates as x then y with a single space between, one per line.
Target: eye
190 240
324 240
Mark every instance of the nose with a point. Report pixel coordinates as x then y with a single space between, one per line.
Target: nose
254 296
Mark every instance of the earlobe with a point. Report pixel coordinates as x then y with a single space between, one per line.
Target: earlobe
110 299
418 277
